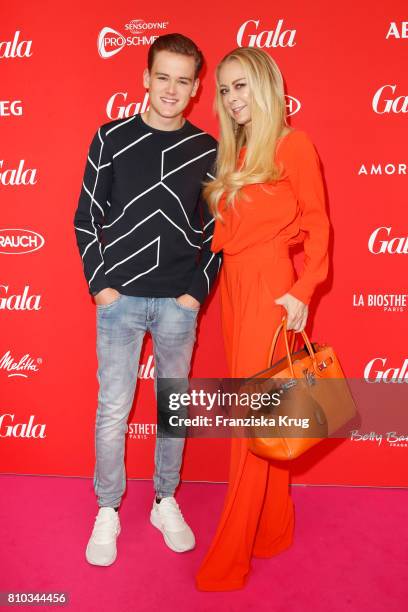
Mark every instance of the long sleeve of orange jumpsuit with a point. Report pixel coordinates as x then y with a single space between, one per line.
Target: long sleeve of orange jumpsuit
255 236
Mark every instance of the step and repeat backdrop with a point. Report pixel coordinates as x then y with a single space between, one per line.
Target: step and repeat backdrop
67 69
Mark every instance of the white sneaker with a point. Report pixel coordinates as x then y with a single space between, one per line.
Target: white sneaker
167 517
101 549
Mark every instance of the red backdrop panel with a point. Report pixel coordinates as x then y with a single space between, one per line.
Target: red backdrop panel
343 69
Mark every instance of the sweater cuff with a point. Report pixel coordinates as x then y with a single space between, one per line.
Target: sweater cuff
99 284
300 292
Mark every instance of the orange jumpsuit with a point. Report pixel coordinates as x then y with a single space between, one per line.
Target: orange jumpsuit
258 514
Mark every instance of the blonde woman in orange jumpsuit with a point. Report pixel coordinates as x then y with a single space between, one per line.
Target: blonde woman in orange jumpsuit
267 195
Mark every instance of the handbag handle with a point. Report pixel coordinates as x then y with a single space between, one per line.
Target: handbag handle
289 351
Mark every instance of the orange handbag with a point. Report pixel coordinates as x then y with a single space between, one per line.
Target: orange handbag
312 386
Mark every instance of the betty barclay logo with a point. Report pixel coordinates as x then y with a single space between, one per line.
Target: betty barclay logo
392 438
141 431
141 33
251 34
19 241
21 368
387 302
9 428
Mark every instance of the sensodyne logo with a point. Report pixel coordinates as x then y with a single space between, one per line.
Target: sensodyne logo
19 241
22 367
250 35
110 41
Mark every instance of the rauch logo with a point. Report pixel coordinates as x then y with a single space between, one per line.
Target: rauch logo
19 241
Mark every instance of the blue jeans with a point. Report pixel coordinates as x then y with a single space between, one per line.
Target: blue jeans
121 327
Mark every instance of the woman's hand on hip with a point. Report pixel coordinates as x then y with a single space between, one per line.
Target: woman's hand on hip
297 311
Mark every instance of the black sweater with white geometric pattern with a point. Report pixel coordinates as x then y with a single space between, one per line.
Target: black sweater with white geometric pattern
141 225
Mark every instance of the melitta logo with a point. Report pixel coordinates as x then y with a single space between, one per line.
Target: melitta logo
11 108
137 431
21 367
377 244
388 302
9 429
382 169
111 42
397 30
374 372
19 241
15 48
146 370
17 176
249 35
18 302
118 108
383 102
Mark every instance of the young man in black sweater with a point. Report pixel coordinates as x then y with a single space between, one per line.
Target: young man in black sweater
144 235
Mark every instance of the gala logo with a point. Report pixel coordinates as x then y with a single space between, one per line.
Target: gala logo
9 429
249 35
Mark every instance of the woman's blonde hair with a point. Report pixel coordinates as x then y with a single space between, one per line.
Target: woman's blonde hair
268 117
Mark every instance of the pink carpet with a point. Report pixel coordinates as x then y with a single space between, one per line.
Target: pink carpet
350 551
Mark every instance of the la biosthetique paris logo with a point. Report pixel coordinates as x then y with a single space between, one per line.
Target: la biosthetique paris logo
23 367
387 302
138 33
141 431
